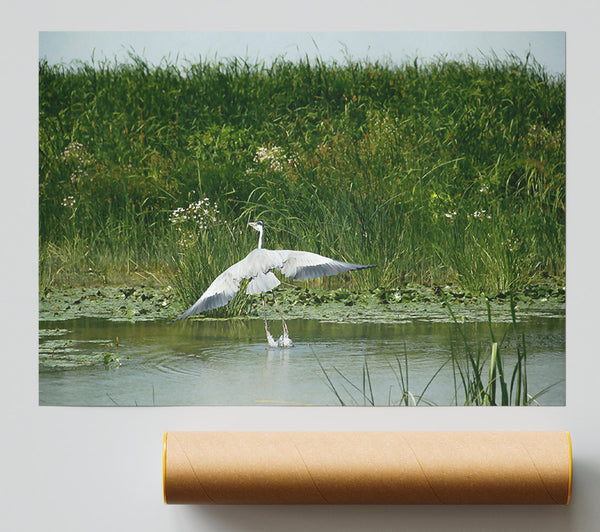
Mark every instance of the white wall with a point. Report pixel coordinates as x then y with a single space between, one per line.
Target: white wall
91 469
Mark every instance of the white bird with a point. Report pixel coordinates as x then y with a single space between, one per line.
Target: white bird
257 266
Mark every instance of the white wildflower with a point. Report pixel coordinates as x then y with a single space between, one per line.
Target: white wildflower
274 157
480 215
77 157
196 216
69 201
511 244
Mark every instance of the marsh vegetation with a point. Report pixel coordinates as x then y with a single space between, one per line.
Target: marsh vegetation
450 176
440 173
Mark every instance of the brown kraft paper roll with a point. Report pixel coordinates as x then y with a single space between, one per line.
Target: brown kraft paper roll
367 467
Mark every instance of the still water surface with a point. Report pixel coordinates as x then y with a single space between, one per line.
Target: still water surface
227 362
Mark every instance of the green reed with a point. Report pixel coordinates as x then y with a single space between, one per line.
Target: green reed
480 378
501 388
442 172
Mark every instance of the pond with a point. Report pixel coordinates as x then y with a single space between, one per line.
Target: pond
95 361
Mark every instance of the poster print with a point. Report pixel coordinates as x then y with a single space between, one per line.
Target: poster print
375 227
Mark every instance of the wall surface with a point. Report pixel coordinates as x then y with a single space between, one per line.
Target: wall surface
100 468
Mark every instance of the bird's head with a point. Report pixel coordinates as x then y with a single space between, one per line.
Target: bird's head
259 226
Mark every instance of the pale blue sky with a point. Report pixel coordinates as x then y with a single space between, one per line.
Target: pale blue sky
548 48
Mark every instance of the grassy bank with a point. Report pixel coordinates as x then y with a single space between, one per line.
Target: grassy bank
439 173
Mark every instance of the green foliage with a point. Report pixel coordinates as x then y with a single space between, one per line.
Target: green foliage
438 173
469 363
470 369
500 389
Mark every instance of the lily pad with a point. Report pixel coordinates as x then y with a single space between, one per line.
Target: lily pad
385 305
66 354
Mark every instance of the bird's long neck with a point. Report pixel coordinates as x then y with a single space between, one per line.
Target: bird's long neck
260 236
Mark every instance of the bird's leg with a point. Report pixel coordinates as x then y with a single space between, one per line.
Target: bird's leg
285 329
270 339
285 340
265 313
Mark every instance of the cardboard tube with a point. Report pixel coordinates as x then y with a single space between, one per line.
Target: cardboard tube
367 467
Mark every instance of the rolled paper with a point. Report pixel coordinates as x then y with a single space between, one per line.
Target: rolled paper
367 467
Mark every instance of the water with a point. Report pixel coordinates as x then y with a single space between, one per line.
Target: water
92 361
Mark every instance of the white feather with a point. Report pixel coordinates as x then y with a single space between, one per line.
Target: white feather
264 282
257 266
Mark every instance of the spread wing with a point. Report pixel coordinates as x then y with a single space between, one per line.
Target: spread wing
257 266
305 265
221 291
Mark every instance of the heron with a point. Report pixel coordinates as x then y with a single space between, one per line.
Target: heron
258 267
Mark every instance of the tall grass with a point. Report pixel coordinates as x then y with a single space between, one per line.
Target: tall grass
480 377
469 366
441 172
